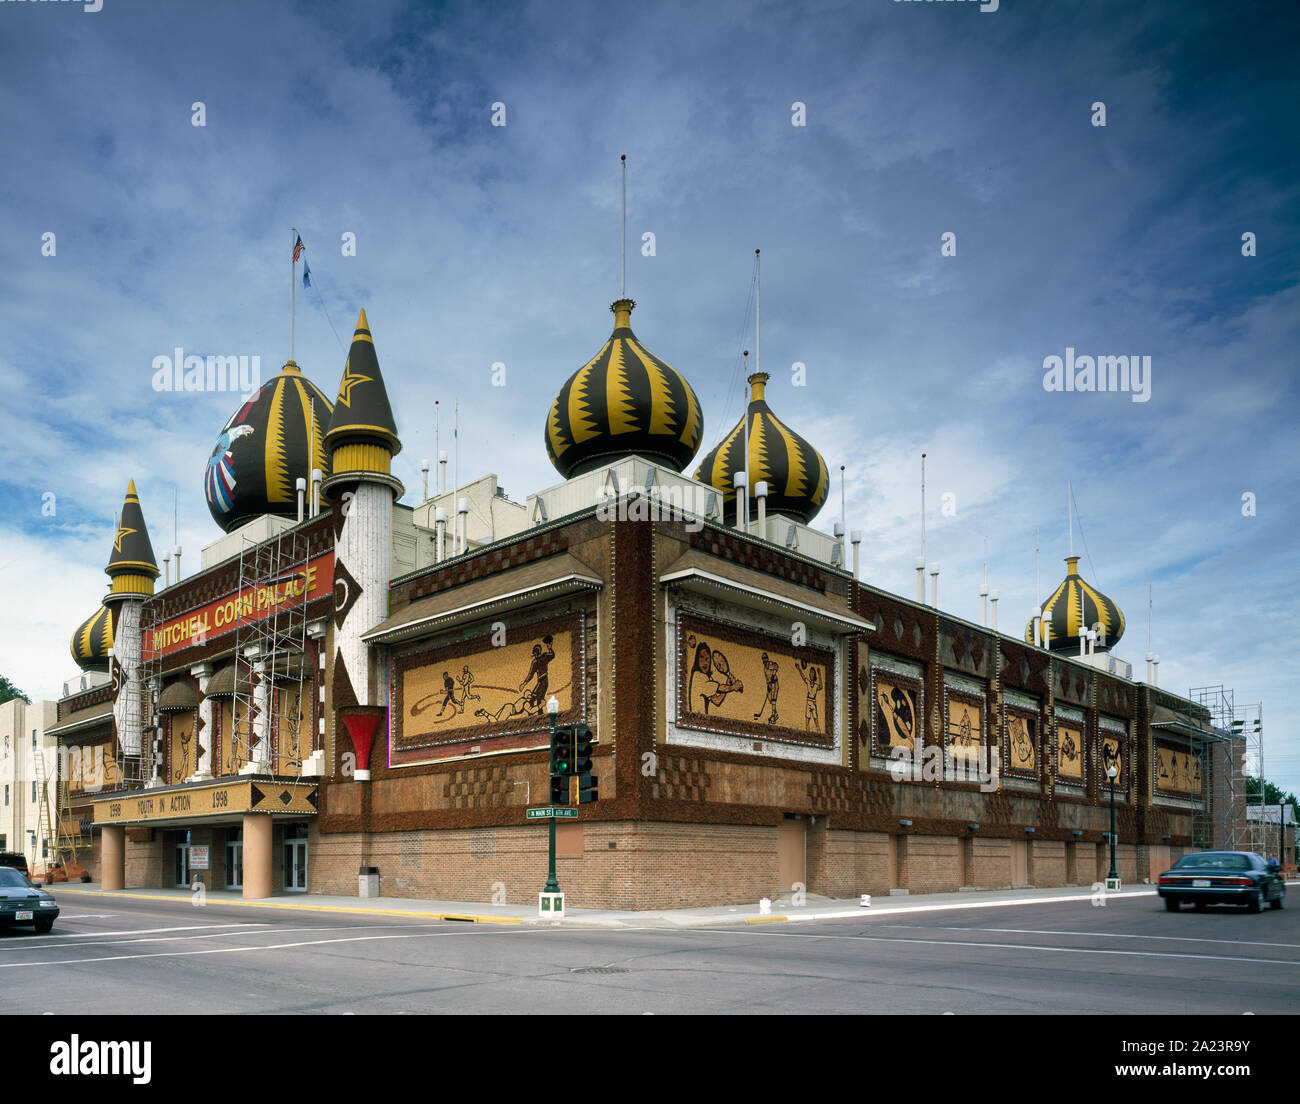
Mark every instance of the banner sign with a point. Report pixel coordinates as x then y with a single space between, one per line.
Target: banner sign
253 603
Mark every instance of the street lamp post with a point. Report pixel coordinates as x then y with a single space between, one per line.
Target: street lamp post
552 885
1111 772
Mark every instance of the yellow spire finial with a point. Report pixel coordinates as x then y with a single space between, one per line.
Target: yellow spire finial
362 324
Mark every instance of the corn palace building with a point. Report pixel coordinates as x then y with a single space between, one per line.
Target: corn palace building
349 682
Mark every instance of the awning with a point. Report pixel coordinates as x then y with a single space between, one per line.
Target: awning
1164 717
697 572
84 721
222 684
179 695
528 585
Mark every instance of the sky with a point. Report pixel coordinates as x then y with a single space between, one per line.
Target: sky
478 243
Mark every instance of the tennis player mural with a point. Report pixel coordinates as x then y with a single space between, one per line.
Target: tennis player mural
734 679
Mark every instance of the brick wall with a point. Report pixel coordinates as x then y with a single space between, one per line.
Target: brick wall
624 865
991 863
933 864
1048 863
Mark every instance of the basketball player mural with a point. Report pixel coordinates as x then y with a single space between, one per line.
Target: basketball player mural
812 679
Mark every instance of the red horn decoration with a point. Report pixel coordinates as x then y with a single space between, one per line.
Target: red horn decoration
362 722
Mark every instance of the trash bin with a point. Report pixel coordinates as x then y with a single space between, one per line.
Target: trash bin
368 881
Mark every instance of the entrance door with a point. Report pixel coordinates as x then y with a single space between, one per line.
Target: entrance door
182 863
790 853
234 859
295 861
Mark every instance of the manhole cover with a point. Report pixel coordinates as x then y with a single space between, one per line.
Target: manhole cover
599 970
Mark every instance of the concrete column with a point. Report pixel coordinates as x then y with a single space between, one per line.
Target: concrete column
112 856
257 855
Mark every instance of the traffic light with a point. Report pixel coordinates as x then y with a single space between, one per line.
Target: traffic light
559 789
562 751
587 790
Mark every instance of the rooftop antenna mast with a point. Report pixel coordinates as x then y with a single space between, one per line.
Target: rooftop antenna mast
1038 589
1069 513
622 260
842 516
923 507
293 282
437 450
455 478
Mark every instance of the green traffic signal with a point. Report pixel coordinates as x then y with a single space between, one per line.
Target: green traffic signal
562 751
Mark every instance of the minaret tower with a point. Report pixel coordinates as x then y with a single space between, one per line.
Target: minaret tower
361 442
132 569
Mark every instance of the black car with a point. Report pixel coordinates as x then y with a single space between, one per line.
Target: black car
22 903
16 859
1223 878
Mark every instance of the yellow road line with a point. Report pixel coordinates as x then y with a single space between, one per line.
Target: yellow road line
765 919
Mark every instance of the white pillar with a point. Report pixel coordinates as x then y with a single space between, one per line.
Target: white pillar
128 706
261 754
364 547
207 717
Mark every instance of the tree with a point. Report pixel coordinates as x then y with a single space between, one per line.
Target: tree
8 691
1273 795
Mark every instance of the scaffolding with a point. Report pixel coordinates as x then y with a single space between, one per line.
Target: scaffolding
56 824
135 772
1224 760
271 659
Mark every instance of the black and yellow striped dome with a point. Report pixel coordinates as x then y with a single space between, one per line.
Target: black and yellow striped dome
93 640
263 451
131 567
795 473
624 401
1076 604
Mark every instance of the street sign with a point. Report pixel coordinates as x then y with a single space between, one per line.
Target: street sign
551 811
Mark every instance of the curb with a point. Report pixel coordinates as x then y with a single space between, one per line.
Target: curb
470 917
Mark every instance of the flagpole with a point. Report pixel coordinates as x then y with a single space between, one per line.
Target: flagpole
293 281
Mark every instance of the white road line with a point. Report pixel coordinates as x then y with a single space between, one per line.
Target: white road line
1123 935
270 947
151 931
39 942
959 943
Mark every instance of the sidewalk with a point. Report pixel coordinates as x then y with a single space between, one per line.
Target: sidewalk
782 911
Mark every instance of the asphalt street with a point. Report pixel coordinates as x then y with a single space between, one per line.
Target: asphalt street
117 955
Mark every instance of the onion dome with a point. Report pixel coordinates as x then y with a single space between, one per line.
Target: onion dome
625 401
1075 604
270 442
93 640
131 565
362 436
795 473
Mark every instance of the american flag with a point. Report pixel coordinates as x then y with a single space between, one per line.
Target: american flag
298 247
